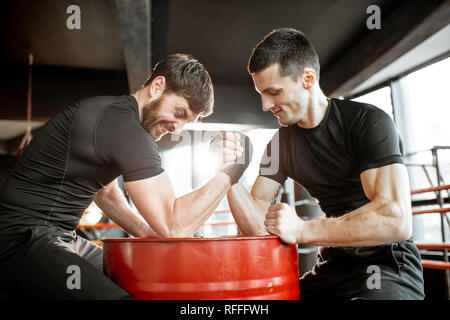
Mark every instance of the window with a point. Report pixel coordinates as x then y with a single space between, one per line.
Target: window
380 98
426 112
425 94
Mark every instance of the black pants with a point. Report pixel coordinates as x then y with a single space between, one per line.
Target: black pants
388 272
48 262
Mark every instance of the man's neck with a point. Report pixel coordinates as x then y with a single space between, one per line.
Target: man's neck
137 96
317 108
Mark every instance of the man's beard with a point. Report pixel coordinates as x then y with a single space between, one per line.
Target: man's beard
150 118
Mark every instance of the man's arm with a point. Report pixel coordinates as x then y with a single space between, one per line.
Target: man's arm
385 219
182 217
112 202
176 217
249 209
161 213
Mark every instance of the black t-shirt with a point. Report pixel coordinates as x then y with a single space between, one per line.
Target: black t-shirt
75 154
328 159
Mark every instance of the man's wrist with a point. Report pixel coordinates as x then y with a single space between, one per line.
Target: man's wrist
303 232
225 177
312 231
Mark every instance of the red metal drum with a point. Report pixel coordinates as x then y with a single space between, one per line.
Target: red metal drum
236 267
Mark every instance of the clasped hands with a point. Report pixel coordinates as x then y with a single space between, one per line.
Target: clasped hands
233 152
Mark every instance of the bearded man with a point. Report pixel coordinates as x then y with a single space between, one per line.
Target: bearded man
76 158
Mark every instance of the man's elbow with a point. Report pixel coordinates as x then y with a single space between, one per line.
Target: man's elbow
165 233
143 234
402 223
404 233
148 234
174 232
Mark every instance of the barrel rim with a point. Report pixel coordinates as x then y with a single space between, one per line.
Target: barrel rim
223 238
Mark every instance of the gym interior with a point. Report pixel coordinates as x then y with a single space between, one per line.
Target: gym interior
394 55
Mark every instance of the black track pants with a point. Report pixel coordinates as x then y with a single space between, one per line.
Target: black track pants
47 262
387 272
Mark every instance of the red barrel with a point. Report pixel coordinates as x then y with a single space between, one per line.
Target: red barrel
236 267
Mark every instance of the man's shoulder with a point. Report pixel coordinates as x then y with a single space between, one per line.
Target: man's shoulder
359 112
356 108
107 112
114 109
107 101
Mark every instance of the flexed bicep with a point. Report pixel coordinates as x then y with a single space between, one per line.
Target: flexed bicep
388 189
154 198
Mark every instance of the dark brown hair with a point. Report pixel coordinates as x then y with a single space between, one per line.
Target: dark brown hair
187 77
288 47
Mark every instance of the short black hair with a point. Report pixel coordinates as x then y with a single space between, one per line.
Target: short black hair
187 77
290 48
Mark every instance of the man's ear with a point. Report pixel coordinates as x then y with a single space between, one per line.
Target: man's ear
156 88
308 78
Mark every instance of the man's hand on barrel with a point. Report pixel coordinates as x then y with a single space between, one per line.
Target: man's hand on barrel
282 220
233 152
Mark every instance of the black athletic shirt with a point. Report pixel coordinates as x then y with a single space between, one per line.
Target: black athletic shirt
328 159
75 154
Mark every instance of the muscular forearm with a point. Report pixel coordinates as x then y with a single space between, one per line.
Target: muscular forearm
115 206
193 209
373 224
247 212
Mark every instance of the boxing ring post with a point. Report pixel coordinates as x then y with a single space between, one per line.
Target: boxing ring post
444 246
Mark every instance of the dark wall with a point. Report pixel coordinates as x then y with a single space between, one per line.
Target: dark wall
54 88
240 104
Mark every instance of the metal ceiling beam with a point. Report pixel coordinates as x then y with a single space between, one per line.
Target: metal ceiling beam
409 25
135 26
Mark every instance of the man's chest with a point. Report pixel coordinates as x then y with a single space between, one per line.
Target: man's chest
323 160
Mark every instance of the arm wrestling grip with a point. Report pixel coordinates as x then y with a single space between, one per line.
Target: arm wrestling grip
236 168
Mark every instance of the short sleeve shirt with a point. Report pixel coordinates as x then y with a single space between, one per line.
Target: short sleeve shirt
75 154
329 158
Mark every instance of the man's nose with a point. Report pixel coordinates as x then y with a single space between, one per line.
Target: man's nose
177 126
266 104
